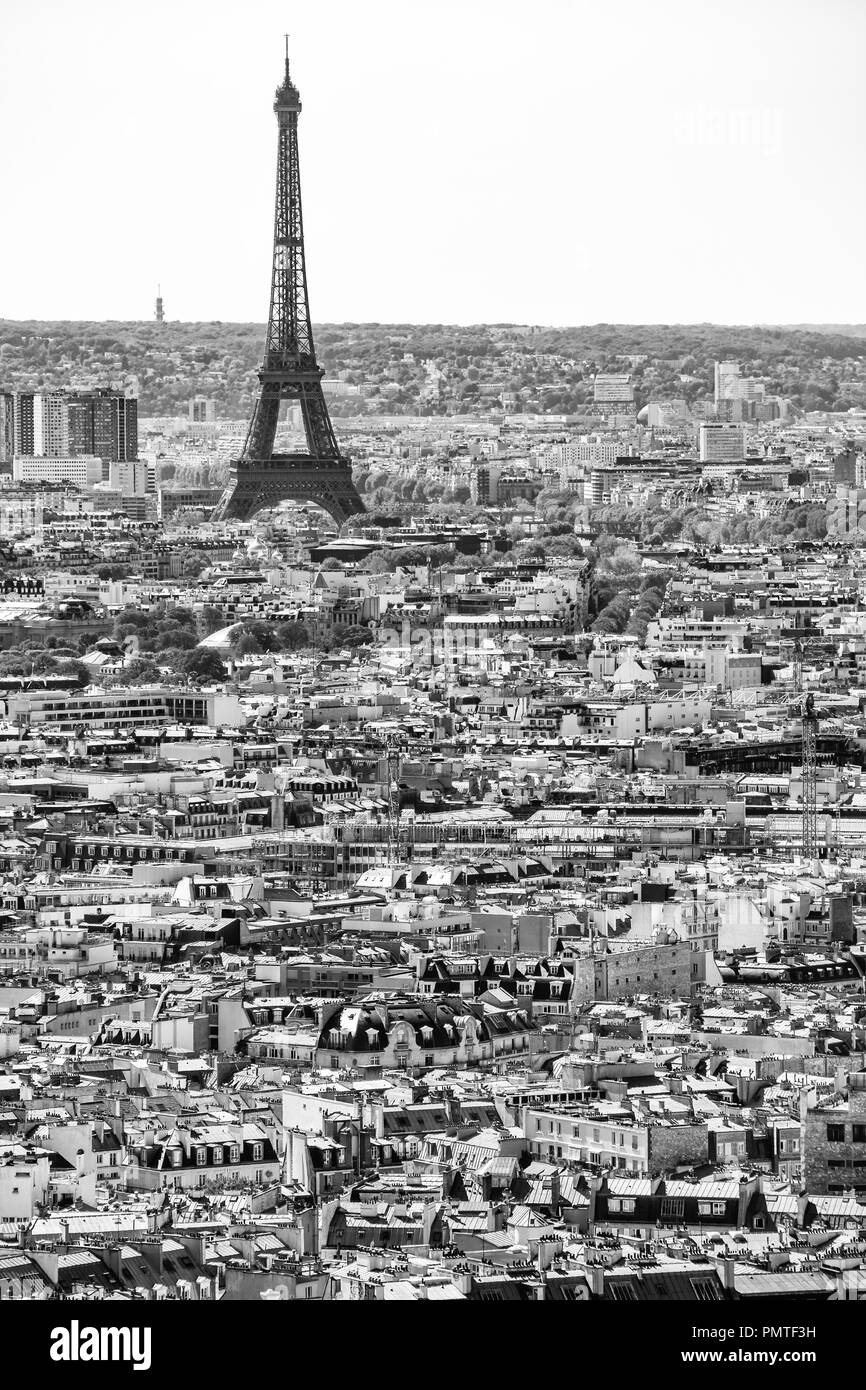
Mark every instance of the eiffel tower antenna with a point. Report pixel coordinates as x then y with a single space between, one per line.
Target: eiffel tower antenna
290 372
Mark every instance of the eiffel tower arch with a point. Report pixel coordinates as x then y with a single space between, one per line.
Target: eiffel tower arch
290 372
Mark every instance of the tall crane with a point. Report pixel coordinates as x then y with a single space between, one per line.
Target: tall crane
810 777
395 768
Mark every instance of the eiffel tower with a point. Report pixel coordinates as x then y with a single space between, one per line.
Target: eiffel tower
321 474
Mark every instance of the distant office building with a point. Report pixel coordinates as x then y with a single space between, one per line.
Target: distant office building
128 476
731 410
848 467
730 386
103 423
202 410
846 513
721 443
20 514
22 423
596 486
62 425
7 433
614 391
484 484
581 451
80 471
727 381
50 424
665 415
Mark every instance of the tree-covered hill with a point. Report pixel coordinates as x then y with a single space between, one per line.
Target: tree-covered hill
438 368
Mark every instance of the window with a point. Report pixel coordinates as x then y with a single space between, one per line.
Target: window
258 1151
201 1157
705 1292
176 1158
858 1135
234 1154
673 1206
835 1134
218 1153
711 1208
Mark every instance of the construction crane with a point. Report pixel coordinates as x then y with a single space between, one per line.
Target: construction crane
810 777
395 768
797 664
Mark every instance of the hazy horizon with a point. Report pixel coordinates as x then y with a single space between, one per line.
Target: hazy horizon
454 323
461 163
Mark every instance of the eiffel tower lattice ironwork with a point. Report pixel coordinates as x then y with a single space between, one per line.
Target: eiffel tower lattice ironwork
290 372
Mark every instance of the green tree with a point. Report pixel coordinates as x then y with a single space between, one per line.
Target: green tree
203 664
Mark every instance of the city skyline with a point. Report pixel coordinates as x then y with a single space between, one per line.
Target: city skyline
579 171
433 754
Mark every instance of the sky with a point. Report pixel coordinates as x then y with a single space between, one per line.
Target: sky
462 161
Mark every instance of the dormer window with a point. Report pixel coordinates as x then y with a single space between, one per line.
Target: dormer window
258 1152
218 1154
201 1157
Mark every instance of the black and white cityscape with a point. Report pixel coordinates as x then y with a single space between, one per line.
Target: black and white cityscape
433 755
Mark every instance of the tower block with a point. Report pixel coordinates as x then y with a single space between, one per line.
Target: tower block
290 372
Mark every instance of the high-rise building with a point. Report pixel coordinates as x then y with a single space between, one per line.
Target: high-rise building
22 422
850 467
484 484
60 424
721 443
50 424
730 386
615 392
104 423
7 427
727 381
